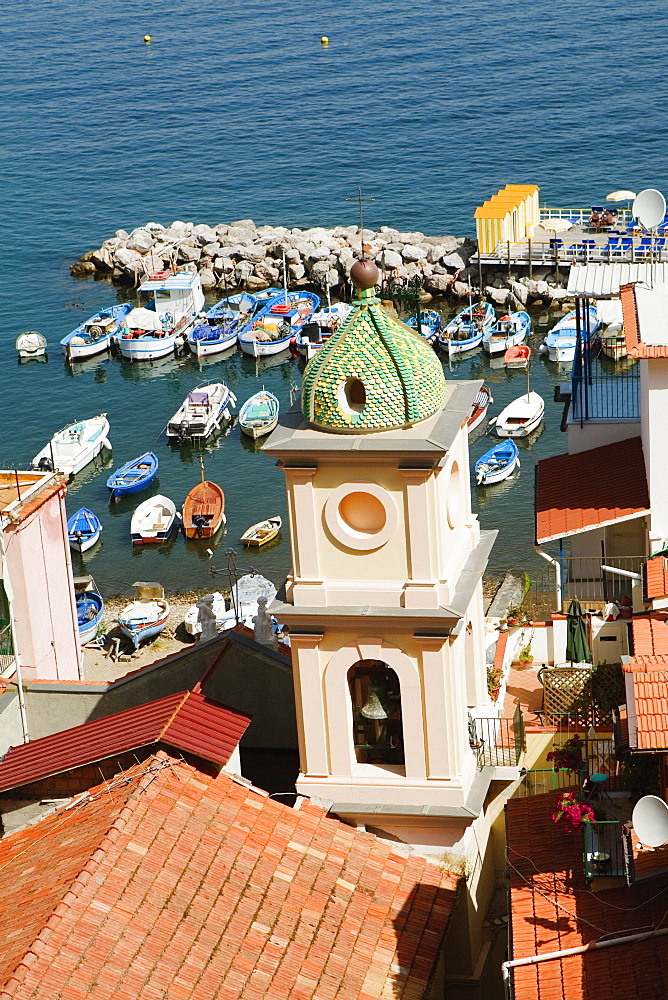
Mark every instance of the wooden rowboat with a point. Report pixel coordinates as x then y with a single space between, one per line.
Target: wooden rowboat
479 409
517 356
262 532
203 510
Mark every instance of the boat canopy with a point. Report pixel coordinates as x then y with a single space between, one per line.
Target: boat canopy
181 281
143 319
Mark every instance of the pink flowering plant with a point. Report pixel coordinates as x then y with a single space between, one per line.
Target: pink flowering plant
567 756
574 812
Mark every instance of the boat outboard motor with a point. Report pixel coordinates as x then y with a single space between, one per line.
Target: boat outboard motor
45 464
184 430
200 522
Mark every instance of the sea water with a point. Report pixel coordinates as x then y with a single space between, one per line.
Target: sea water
237 111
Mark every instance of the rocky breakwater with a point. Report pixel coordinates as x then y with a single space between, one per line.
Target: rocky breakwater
249 257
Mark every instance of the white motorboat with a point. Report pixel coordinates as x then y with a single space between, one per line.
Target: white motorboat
70 450
95 335
31 344
509 331
521 417
202 412
153 521
161 327
561 342
613 342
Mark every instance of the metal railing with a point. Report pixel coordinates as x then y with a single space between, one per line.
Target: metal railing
607 851
7 655
539 780
605 397
592 578
580 216
497 742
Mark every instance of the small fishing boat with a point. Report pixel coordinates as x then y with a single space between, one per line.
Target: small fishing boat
204 510
466 330
70 450
146 616
217 330
561 341
83 529
430 324
521 417
262 532
497 464
161 327
508 332
153 521
202 412
277 323
259 414
312 335
613 342
90 610
479 409
134 476
31 344
96 334
517 357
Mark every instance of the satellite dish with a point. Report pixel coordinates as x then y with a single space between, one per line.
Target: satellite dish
649 208
650 821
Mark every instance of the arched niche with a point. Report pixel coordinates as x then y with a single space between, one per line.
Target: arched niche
339 708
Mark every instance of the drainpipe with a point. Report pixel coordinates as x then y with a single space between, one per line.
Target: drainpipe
621 572
550 956
17 656
557 573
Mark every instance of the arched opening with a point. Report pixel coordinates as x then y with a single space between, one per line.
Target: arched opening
378 736
352 396
363 512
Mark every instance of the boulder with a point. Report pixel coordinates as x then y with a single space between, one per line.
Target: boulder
242 271
186 253
123 256
140 240
267 272
254 254
82 268
498 295
244 224
296 271
208 278
390 258
520 292
239 234
178 228
211 250
121 234
440 282
253 284
538 289
293 256
318 253
205 234
435 252
223 265
454 261
461 289
102 259
412 252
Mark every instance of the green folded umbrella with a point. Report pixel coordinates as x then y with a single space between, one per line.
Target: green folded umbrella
577 646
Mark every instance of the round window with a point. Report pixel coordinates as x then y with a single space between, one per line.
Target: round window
454 495
363 512
352 396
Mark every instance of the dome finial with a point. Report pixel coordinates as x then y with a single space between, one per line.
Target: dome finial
364 274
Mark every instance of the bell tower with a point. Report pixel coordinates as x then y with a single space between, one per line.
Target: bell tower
384 599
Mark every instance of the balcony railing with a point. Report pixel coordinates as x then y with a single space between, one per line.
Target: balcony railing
600 578
607 851
539 780
497 742
6 648
605 397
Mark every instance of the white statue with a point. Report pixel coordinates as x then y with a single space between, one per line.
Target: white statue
263 624
206 617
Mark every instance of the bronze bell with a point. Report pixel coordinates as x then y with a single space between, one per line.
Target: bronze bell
373 707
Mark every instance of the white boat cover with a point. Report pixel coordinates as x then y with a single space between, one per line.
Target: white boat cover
142 319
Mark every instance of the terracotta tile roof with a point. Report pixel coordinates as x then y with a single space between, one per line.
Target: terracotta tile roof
648 861
650 634
178 885
553 909
634 344
647 688
578 492
14 483
655 578
187 720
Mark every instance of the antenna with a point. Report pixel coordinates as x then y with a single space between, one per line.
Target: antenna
650 821
359 199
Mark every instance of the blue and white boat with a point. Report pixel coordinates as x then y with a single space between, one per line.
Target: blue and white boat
466 330
561 341
203 411
96 334
259 415
162 325
83 529
511 330
275 325
134 476
430 324
218 329
145 617
90 610
497 464
322 324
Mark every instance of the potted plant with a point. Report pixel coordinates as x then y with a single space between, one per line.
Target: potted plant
567 756
525 656
493 681
514 615
573 811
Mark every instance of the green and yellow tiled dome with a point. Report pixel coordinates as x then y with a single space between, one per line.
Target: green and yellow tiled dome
374 373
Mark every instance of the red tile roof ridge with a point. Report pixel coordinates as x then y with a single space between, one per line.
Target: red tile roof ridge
177 708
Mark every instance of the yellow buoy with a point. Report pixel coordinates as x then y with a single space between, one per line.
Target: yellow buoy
147 39
324 40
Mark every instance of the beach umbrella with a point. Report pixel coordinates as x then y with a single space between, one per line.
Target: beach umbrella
577 646
557 225
621 196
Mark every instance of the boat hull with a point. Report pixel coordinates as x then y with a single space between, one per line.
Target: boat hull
262 532
90 611
561 352
264 348
519 419
149 348
70 451
462 346
481 407
79 352
204 511
204 348
120 486
258 424
138 632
